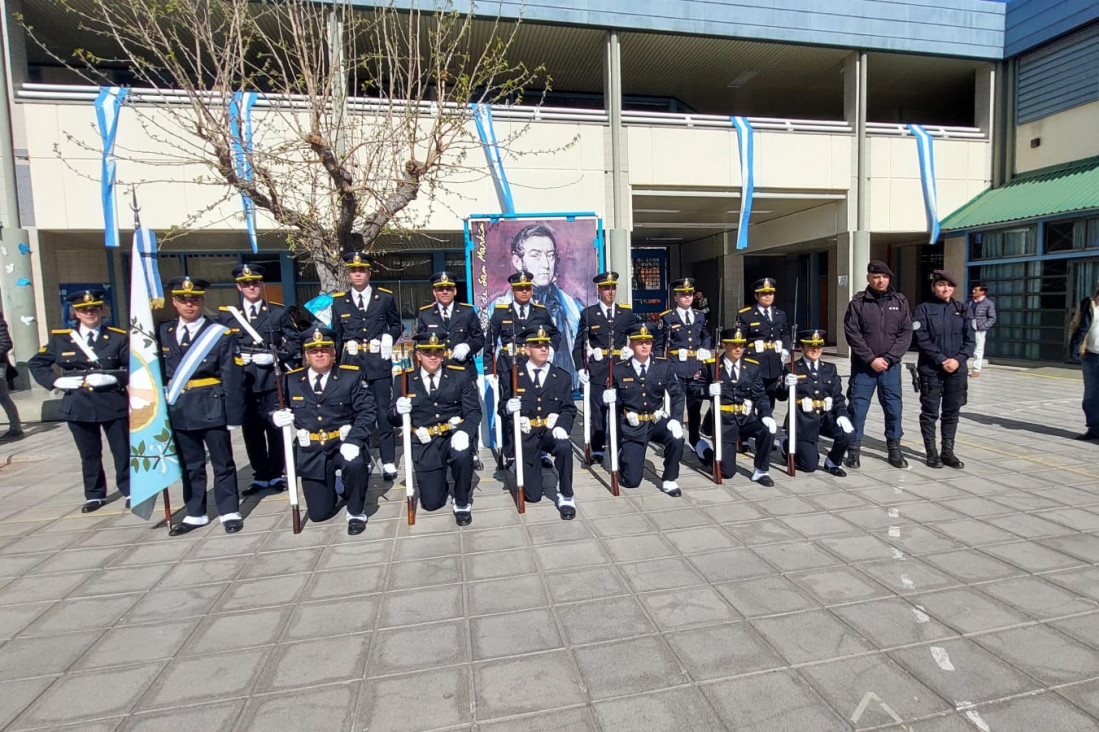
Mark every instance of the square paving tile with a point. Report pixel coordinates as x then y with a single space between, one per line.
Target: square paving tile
329 707
893 622
206 678
421 606
602 620
37 656
977 675
672 710
838 585
512 562
765 596
342 582
513 634
1043 653
584 584
99 693
427 700
672 609
771 701
764 531
641 546
315 662
968 611
660 574
628 667
793 556
731 564
80 614
201 718
1037 712
15 696
416 648
814 635
700 539
129 644
1038 598
528 684
732 649
1033 557
503 595
332 617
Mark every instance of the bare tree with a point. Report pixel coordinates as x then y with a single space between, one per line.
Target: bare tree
360 109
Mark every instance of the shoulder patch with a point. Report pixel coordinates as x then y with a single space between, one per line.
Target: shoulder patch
744 310
382 289
455 367
429 305
294 371
117 330
752 361
349 367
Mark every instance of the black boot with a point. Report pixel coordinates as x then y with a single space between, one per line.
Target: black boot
933 459
852 459
949 458
896 459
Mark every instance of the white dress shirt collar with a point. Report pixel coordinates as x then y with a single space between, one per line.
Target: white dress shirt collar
312 376
685 315
363 294
637 366
194 326
544 368
83 331
426 376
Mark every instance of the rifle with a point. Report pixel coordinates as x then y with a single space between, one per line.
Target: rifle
791 412
517 432
612 419
406 444
288 448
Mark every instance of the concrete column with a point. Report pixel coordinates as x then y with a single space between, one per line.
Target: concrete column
618 223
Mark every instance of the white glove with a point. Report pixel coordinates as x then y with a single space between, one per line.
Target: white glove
659 415
806 404
349 451
387 346
493 381
524 425
375 345
585 377
715 389
610 396
631 417
454 421
597 354
68 383
246 357
282 418
790 380
352 348
551 420
784 357
404 405
559 433
344 432
747 406
626 353
683 354
263 359
757 346
828 404
232 427
461 352
100 380
770 424
303 437
845 425
422 435
513 405
704 354
459 442
675 428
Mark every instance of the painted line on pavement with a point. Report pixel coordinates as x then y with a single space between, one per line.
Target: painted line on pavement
942 658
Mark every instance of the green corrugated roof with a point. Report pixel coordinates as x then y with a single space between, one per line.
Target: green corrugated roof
1067 188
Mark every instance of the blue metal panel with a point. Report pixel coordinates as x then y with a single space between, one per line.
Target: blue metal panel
1031 23
1058 76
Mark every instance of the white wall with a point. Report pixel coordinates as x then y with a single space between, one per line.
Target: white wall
1066 136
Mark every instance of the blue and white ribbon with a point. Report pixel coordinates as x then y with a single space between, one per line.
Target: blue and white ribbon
198 351
747 177
145 246
482 118
927 173
107 106
240 128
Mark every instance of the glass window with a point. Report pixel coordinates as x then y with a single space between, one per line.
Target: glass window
1017 242
1059 236
1031 302
214 268
272 266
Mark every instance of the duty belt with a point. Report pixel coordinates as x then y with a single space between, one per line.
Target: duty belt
195 383
323 437
818 404
646 417
734 408
772 345
539 422
438 429
690 354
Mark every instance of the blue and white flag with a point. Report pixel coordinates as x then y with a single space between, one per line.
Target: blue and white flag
240 126
482 118
747 177
927 173
107 106
154 464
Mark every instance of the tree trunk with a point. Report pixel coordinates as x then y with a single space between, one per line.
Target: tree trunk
330 281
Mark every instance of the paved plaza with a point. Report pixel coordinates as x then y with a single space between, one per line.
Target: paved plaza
918 599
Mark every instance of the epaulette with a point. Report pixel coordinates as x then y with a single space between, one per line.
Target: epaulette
665 313
752 361
503 304
238 360
710 360
294 371
224 308
234 330
744 310
468 305
62 331
456 367
539 306
660 358
272 302
117 330
349 367
229 331
429 305
338 294
385 290
628 307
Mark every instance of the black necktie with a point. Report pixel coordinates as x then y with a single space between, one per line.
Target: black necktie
185 341
318 387
522 312
446 316
768 313
431 384
91 338
644 367
538 378
254 313
361 300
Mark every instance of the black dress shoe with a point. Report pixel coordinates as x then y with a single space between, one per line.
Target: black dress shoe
568 513
463 518
765 481
93 505
127 503
355 527
837 471
182 528
254 488
547 462
232 526
1087 436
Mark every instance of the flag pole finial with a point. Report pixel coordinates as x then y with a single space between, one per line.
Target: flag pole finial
135 208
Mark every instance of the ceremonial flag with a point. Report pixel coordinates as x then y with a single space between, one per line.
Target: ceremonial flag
107 105
747 177
240 125
926 151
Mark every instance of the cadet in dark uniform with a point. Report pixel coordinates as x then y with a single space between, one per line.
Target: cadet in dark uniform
768 336
261 328
602 335
332 412
456 323
945 341
542 401
649 397
745 407
820 407
94 363
210 404
685 341
366 322
446 415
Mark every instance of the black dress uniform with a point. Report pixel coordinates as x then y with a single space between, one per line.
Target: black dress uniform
442 404
272 324
744 405
685 334
87 407
546 417
363 320
641 389
820 405
211 402
606 328
942 332
455 325
322 405
768 336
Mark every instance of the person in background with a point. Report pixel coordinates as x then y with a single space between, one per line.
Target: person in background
15 427
982 316
1084 344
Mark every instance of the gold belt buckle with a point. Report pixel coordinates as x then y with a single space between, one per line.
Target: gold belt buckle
646 417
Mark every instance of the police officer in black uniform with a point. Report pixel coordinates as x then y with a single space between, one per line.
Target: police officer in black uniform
456 323
210 404
768 335
542 401
446 414
367 323
650 399
745 407
331 411
601 336
820 408
261 328
945 341
686 341
94 363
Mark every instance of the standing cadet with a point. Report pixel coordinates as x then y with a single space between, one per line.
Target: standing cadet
819 408
945 341
332 411
768 336
602 333
446 415
262 328
542 401
94 363
649 397
455 323
685 341
745 407
205 400
366 322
